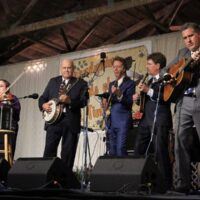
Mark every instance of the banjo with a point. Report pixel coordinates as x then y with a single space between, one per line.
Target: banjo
56 111
56 106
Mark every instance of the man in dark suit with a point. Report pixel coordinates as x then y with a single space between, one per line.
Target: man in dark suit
187 105
72 95
153 137
120 100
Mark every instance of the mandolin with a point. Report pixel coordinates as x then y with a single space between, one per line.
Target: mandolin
141 102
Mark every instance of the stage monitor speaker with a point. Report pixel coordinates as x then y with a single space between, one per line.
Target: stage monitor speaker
126 174
37 173
4 168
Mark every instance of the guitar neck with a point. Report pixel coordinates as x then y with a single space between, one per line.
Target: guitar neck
142 95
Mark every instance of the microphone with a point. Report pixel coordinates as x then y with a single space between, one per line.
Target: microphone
166 77
89 129
103 56
33 96
103 95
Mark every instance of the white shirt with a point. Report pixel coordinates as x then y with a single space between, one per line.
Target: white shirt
120 81
65 80
155 78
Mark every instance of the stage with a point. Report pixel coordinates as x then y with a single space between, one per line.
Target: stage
118 178
51 194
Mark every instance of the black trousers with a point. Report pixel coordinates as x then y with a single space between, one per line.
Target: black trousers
159 147
62 130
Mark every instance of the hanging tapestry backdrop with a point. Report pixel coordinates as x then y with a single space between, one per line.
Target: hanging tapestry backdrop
31 136
101 74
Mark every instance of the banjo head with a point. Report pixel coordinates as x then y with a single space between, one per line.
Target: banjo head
54 115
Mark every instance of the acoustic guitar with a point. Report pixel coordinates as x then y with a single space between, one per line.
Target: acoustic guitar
182 78
106 111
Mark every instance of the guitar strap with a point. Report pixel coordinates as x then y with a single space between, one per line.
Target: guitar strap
65 88
70 85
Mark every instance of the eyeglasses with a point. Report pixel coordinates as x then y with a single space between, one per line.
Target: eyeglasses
67 68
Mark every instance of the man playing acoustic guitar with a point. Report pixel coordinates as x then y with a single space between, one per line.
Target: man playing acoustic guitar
70 93
120 101
188 103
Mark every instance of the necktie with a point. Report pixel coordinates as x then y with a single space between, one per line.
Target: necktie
62 88
116 83
154 79
150 81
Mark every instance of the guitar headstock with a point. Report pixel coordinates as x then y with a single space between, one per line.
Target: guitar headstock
139 77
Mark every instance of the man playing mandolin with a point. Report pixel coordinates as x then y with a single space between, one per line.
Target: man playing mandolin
154 127
68 94
188 103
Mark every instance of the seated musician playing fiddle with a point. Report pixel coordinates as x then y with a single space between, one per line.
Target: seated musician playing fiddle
9 103
72 94
153 128
187 102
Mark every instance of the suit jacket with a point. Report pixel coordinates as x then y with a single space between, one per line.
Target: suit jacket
78 95
121 110
164 117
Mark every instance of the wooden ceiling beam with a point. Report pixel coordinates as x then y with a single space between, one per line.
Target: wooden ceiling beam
6 9
140 25
156 22
4 58
67 44
40 50
24 14
85 14
161 21
177 8
24 42
88 33
5 6
51 46
118 22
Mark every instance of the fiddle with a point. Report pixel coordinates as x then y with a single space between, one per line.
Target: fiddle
7 97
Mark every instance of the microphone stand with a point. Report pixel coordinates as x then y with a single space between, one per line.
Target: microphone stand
154 120
95 73
104 121
86 147
84 182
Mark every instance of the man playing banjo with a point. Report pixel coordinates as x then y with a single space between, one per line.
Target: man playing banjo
61 104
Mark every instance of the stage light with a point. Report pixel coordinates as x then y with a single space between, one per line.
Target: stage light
36 66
